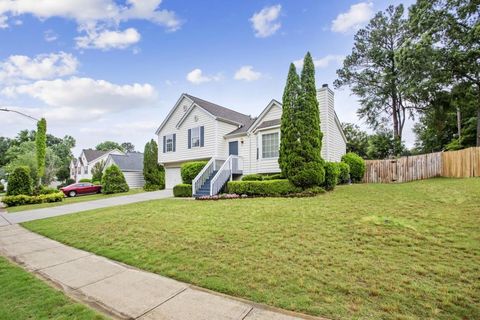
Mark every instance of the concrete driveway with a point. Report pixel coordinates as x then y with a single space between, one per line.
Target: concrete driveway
29 215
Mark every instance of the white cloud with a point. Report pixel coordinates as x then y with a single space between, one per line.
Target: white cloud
322 62
3 22
45 66
106 40
50 35
84 97
247 73
196 76
354 18
265 21
101 16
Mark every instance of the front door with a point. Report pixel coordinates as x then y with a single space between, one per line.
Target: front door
233 148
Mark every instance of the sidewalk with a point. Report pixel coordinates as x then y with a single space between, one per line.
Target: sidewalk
123 291
29 215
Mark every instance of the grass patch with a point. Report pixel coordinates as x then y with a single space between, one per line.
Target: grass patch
69 200
22 296
399 251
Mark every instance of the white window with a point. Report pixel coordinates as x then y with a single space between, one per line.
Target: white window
86 169
270 145
169 143
79 170
195 137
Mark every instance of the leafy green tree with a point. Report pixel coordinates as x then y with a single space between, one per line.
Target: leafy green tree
288 132
153 172
108 145
127 147
19 182
114 181
97 171
41 146
305 166
444 47
5 144
357 139
63 149
383 145
373 72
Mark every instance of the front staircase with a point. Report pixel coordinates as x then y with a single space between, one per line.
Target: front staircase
205 188
216 173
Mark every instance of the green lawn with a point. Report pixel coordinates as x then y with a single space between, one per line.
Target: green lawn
22 296
399 251
72 200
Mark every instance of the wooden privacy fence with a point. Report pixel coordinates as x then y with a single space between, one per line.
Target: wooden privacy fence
463 164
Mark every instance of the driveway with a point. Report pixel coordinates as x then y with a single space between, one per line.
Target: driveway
29 215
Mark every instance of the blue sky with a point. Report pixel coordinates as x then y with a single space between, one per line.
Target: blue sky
100 69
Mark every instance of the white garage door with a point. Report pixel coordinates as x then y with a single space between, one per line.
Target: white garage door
172 177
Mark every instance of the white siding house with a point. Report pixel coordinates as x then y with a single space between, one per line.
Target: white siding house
131 165
196 129
81 167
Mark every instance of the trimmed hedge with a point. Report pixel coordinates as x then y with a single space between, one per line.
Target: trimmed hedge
182 190
46 190
263 188
113 181
356 164
20 182
85 180
190 170
344 176
275 176
252 177
22 199
332 171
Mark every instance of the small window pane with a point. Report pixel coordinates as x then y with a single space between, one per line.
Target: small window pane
270 145
195 137
169 146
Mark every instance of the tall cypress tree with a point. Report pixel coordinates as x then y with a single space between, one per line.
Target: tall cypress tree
41 147
288 134
307 166
153 172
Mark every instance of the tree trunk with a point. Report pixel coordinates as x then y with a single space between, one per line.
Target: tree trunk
395 119
459 124
478 126
478 116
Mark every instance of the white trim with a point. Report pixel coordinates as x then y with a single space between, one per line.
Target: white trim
339 125
260 151
184 117
172 111
263 114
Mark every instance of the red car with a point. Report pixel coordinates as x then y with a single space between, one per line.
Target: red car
81 188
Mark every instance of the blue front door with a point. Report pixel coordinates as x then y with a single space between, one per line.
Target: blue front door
233 148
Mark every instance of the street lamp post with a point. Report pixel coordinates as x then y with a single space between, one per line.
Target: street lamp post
18 112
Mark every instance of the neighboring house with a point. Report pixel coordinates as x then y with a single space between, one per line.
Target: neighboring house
131 164
234 143
81 167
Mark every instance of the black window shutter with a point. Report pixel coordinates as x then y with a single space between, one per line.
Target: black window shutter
189 138
257 153
164 144
202 136
174 141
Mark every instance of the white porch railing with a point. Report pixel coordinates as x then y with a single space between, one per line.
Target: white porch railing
212 165
231 166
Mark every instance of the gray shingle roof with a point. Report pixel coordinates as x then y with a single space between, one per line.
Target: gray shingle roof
243 128
129 162
91 154
221 112
269 123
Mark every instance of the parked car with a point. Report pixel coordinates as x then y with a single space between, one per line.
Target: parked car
81 188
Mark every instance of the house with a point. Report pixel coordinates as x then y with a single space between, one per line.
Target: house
81 167
131 165
232 142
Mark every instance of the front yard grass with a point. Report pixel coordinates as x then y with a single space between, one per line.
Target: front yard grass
398 251
69 200
22 296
